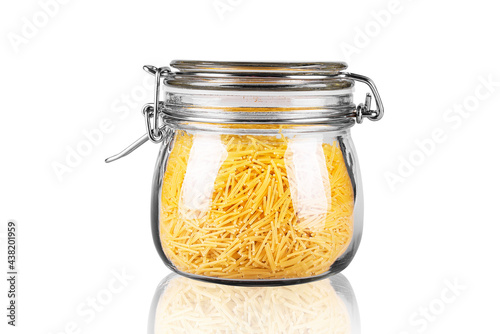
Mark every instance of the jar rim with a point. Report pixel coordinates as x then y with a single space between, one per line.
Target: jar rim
295 68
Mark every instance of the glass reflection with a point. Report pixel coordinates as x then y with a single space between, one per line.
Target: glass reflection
205 159
183 305
309 183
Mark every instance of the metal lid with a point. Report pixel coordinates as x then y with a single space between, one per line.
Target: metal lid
295 68
276 76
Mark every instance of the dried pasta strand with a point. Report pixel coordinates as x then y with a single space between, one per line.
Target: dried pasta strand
257 223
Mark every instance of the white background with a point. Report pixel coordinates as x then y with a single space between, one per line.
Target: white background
438 224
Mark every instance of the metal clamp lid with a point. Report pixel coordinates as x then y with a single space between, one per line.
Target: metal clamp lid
303 73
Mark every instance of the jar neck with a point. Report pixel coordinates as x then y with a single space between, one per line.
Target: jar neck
263 100
277 108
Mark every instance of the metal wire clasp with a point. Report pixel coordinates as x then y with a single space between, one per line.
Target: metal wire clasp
156 132
363 110
151 111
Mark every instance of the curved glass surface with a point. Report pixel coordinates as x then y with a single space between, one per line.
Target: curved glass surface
253 206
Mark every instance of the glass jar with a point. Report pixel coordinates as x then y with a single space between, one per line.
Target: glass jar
257 179
182 305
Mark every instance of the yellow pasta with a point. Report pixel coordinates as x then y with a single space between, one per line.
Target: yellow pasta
255 207
188 306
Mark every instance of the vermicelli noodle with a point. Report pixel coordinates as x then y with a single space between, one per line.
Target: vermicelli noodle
251 207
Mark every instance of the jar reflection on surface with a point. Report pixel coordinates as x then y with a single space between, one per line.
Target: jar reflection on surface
182 305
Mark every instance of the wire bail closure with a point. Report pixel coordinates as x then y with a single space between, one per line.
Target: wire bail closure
156 133
150 111
363 109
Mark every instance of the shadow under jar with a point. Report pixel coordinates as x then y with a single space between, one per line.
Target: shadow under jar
257 180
